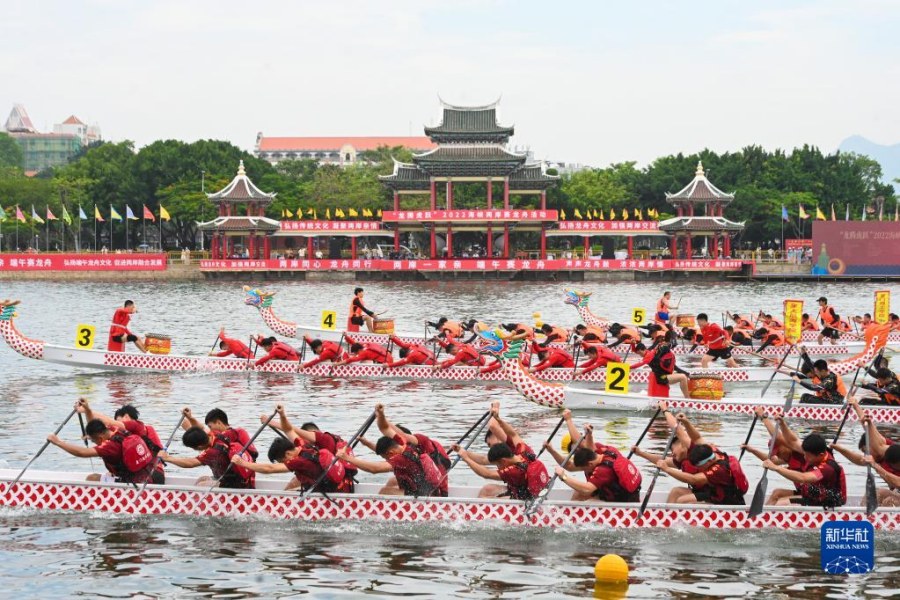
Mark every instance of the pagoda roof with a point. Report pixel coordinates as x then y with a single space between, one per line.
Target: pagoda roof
532 177
469 124
241 223
73 120
19 121
460 160
406 177
700 225
700 189
241 189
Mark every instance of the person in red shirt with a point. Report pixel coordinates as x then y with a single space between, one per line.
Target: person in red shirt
598 356
411 354
821 481
324 350
716 473
275 350
119 333
231 347
367 351
108 445
461 353
808 324
889 470
553 358
661 361
717 343
117 424
306 460
523 475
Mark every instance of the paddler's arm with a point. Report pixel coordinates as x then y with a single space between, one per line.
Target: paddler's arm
389 430
856 458
316 360
512 436
367 443
693 479
366 465
264 468
184 463
791 475
788 435
189 420
83 407
650 457
889 478
760 454
291 432
574 434
877 443
763 416
73 449
477 468
573 482
400 343
694 435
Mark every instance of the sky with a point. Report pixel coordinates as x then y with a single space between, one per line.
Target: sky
585 82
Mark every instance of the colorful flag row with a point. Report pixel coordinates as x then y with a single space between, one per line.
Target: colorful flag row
67 218
820 216
598 215
339 213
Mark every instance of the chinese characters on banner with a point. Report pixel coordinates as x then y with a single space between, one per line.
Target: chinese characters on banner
83 262
793 320
882 306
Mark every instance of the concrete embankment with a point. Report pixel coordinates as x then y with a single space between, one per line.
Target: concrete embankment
173 272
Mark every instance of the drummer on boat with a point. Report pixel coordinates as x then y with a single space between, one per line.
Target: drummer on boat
119 334
359 314
663 306
717 343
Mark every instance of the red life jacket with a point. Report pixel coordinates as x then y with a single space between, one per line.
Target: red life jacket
416 474
828 316
350 470
628 478
663 363
734 492
226 445
525 479
831 491
133 465
281 351
334 480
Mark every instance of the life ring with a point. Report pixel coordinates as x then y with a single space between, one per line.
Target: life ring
836 267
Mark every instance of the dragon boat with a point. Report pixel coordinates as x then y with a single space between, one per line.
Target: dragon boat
133 362
69 492
559 395
581 300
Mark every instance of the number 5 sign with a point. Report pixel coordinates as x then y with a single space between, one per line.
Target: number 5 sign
84 336
617 376
638 316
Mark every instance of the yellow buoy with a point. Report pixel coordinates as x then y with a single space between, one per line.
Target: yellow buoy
611 568
610 591
536 315
564 444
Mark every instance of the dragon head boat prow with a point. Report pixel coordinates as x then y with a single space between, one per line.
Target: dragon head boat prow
257 297
23 345
576 298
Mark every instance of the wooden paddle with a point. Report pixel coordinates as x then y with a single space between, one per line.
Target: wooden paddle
84 436
643 433
231 464
871 490
665 453
759 495
353 441
852 391
768 383
480 425
542 495
575 368
551 436
156 458
41 451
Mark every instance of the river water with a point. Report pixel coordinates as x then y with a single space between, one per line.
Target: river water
98 555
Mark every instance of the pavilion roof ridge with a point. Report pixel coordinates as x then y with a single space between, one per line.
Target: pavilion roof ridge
695 189
489 106
241 188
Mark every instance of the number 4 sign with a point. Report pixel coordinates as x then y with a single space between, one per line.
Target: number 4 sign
329 319
617 376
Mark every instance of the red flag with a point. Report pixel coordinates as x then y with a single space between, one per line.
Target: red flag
50 215
148 214
19 214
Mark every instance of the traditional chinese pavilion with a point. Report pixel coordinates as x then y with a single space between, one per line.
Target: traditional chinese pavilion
471 147
242 208
689 224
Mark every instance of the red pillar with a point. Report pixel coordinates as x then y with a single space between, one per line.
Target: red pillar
433 242
251 246
310 247
214 247
433 196
267 248
715 246
630 247
353 248
449 194
506 241
506 193
449 242
490 242
673 246
680 211
543 240
396 201
490 195
396 240
587 246
689 252
544 200
727 246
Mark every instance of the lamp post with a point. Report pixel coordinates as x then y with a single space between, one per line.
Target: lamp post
203 181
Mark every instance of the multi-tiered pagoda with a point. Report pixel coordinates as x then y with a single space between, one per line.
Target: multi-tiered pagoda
690 224
242 210
471 148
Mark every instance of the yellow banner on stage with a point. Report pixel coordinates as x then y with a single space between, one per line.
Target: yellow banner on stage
793 320
882 306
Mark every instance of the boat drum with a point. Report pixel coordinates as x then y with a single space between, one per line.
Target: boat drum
685 321
706 386
158 343
383 326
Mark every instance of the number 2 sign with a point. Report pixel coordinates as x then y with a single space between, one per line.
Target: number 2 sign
617 376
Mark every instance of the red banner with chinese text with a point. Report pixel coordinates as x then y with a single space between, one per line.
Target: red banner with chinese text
82 262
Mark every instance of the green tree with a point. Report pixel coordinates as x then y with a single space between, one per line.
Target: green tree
10 152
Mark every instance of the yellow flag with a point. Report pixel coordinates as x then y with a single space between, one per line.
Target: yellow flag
379 213
588 214
819 215
163 213
596 214
288 213
353 212
793 316
612 214
328 214
625 213
638 215
802 213
310 211
339 213
601 217
562 215
578 214
367 212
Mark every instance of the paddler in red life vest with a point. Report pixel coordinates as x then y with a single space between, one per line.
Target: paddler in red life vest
275 350
231 347
830 321
415 472
324 350
787 451
880 447
681 445
740 323
121 445
609 476
829 387
516 465
864 321
807 324
889 470
359 314
460 354
769 323
821 481
769 337
553 358
598 356
119 333
559 335
307 461
363 352
410 354
661 361
581 330
716 341
216 443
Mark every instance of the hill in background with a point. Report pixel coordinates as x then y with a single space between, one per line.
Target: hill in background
887 156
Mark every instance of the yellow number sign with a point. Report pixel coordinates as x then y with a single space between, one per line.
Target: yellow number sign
882 306
638 316
617 375
84 336
329 319
793 320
